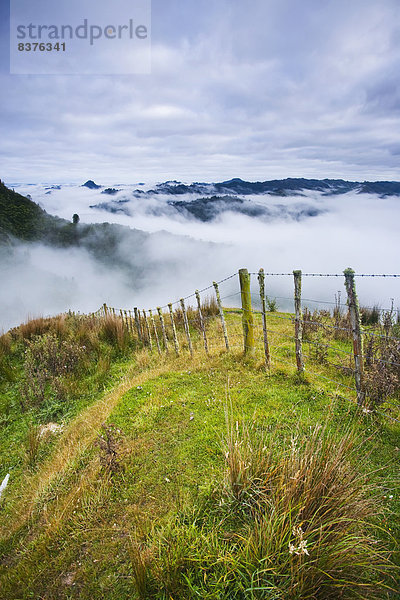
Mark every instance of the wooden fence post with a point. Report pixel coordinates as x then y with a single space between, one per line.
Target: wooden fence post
105 309
146 323
130 322
155 331
355 322
202 325
247 313
261 281
186 326
164 333
137 322
171 314
142 327
298 324
221 314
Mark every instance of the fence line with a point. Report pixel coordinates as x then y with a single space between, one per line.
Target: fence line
213 327
331 274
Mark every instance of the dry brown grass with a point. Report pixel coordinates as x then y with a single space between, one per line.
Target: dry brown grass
40 326
32 444
5 343
141 560
114 331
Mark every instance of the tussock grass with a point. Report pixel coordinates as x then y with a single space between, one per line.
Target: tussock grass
32 444
141 558
295 518
40 326
114 332
370 316
5 344
209 306
308 513
5 347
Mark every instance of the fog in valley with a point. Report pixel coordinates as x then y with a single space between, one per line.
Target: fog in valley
184 253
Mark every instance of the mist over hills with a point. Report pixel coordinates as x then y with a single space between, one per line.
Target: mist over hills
49 264
22 220
208 201
279 187
162 240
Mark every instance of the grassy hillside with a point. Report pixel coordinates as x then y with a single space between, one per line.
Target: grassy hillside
178 477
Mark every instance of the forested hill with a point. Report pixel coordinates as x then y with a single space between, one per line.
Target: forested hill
22 218
116 246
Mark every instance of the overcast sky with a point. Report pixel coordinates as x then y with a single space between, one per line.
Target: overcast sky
257 89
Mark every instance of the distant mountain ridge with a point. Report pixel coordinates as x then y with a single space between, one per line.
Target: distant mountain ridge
208 201
279 187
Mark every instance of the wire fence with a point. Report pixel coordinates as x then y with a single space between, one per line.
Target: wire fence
353 350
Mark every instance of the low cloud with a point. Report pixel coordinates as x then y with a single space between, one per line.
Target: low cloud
355 230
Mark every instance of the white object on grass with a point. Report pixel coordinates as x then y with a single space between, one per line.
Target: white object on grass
4 484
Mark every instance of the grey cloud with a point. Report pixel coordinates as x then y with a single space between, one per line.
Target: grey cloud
257 90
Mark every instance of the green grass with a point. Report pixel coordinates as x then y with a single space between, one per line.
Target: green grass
155 527
102 368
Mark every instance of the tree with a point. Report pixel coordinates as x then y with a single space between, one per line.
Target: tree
75 219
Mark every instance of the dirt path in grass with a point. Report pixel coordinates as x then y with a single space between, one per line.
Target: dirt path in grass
77 436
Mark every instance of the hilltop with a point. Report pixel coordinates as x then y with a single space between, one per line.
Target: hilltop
146 476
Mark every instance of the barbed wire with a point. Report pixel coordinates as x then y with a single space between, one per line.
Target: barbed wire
275 316
332 303
305 341
329 274
193 295
230 296
307 371
380 335
285 335
326 325
334 365
385 362
210 287
375 275
388 416
270 315
177 302
227 278
235 332
273 274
